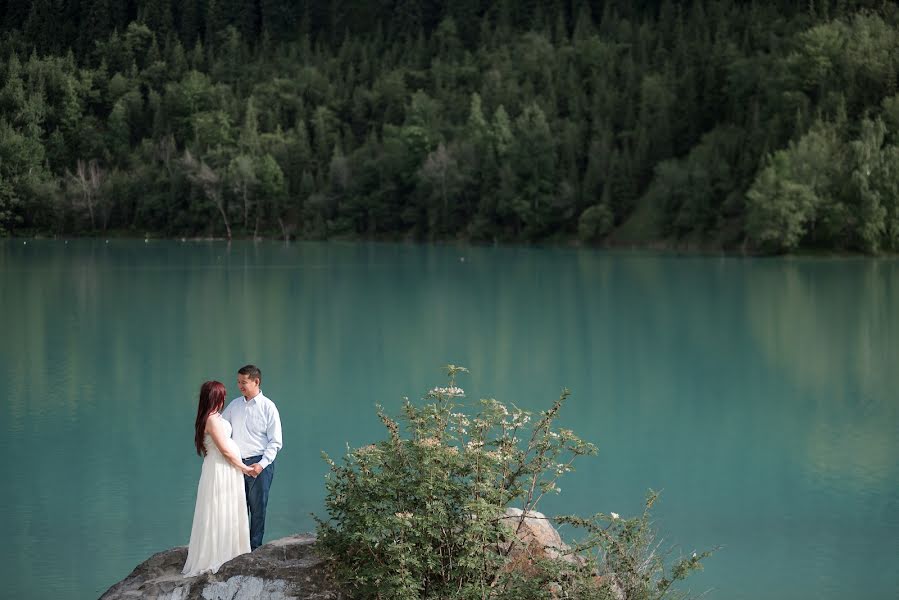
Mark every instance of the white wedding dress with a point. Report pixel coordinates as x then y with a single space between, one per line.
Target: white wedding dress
221 529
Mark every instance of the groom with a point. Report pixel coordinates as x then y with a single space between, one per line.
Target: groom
256 427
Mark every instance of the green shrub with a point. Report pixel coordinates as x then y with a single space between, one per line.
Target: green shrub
420 514
596 222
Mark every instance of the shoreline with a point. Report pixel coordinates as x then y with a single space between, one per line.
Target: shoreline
664 247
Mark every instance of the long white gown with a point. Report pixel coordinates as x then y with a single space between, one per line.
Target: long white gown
221 528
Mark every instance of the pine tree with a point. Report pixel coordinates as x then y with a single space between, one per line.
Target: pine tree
39 27
191 21
157 16
216 20
249 133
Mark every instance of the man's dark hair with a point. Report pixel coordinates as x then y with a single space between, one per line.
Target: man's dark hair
251 371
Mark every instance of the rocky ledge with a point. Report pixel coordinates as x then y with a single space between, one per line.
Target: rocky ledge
289 569
285 569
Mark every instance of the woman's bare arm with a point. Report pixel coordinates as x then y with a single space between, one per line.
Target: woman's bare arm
215 429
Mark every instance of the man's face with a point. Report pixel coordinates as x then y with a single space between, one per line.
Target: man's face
248 387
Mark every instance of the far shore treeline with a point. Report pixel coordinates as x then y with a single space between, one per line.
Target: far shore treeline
758 126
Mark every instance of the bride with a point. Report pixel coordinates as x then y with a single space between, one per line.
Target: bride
221 528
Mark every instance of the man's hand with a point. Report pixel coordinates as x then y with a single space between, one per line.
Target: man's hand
257 469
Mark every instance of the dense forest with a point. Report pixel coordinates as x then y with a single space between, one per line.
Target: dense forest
765 126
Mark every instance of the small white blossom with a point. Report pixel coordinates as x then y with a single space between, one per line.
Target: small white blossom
448 391
615 516
463 420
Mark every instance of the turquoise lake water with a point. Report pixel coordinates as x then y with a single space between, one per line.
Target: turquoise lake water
760 395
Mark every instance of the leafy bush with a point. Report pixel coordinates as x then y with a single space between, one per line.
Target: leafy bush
422 514
595 223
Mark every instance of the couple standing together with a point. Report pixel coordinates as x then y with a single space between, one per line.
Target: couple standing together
239 444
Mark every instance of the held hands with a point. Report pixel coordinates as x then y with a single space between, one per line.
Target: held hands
253 470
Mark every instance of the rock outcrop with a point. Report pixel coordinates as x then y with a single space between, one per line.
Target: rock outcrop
536 536
289 569
285 569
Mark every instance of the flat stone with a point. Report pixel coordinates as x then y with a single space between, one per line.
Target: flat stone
284 569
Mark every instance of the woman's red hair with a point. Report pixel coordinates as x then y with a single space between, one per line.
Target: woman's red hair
212 399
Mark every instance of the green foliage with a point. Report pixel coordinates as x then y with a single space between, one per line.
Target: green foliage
696 194
8 205
827 192
422 513
21 159
467 119
796 191
780 208
595 223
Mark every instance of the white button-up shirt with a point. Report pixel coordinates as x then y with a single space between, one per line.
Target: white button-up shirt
256 427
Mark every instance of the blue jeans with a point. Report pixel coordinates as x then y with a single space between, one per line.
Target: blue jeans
257 499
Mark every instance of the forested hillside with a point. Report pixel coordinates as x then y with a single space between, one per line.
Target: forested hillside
765 126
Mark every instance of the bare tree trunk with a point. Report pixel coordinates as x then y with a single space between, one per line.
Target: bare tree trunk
166 150
283 229
90 208
246 208
88 177
256 227
221 206
85 181
210 182
95 175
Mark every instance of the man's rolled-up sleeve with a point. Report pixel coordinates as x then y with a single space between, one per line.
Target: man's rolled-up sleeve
273 431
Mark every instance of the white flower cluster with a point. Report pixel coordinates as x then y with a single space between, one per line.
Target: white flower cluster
520 418
494 455
429 442
462 419
448 391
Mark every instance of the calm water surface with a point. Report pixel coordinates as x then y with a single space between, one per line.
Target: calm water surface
759 394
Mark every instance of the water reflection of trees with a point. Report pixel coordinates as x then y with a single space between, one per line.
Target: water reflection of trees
663 353
830 327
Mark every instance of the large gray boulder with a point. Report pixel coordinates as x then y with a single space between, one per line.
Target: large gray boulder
289 569
285 569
